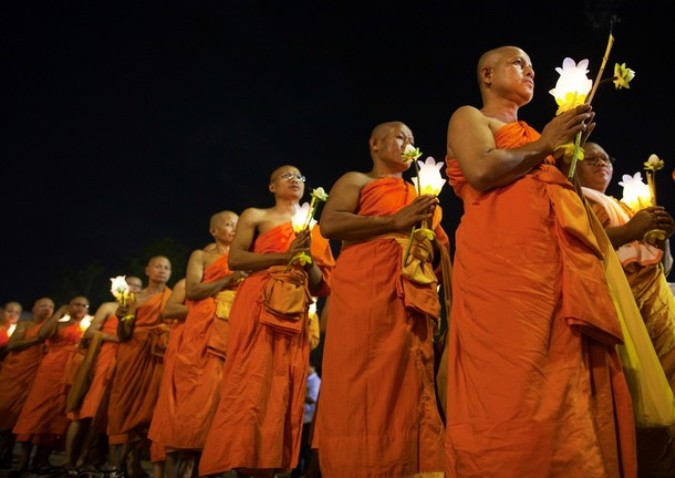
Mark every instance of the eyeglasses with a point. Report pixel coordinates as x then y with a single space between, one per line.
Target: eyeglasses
289 176
599 160
79 304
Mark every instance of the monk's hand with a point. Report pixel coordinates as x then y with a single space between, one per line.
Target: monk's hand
421 209
561 129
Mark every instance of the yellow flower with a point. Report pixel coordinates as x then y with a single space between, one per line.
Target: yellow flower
429 177
302 258
425 233
411 153
622 76
573 85
654 163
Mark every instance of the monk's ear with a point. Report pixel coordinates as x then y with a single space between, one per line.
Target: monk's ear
486 75
374 143
272 187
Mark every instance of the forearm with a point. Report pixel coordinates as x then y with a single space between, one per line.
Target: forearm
504 166
203 290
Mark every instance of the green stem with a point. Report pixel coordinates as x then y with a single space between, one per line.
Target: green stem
575 156
407 249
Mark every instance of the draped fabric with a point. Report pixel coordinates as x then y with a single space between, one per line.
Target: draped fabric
16 378
656 303
135 385
191 383
535 387
95 402
378 415
258 421
44 412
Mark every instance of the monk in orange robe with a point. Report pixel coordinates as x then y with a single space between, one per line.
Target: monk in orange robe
534 383
646 267
11 313
43 416
89 418
258 422
378 415
135 385
25 352
191 386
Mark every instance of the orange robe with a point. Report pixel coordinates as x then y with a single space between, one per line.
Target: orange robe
95 402
163 414
535 387
16 378
258 421
645 274
133 393
191 386
378 415
44 412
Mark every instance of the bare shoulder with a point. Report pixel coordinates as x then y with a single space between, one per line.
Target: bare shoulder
252 215
353 179
467 113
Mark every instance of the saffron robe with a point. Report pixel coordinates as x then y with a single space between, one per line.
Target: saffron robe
535 387
191 384
258 422
44 412
645 273
135 385
16 378
95 402
378 415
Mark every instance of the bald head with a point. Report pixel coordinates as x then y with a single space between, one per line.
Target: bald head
382 130
490 58
222 217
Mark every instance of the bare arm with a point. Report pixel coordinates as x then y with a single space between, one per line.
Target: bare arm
49 328
241 258
195 288
102 313
18 341
643 221
339 220
175 307
471 142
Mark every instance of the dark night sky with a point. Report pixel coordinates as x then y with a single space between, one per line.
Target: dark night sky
123 124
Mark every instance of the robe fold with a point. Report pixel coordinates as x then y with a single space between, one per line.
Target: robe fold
16 378
95 402
535 387
138 372
191 384
378 415
44 412
258 422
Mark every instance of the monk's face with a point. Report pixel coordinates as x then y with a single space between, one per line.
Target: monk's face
287 182
223 227
11 313
388 145
78 307
43 309
509 74
135 283
159 269
595 170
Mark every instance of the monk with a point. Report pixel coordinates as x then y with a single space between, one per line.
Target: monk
534 383
11 313
378 415
258 422
43 416
191 387
646 267
25 352
88 419
143 339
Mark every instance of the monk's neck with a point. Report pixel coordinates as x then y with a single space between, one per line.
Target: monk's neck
506 112
286 206
155 288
